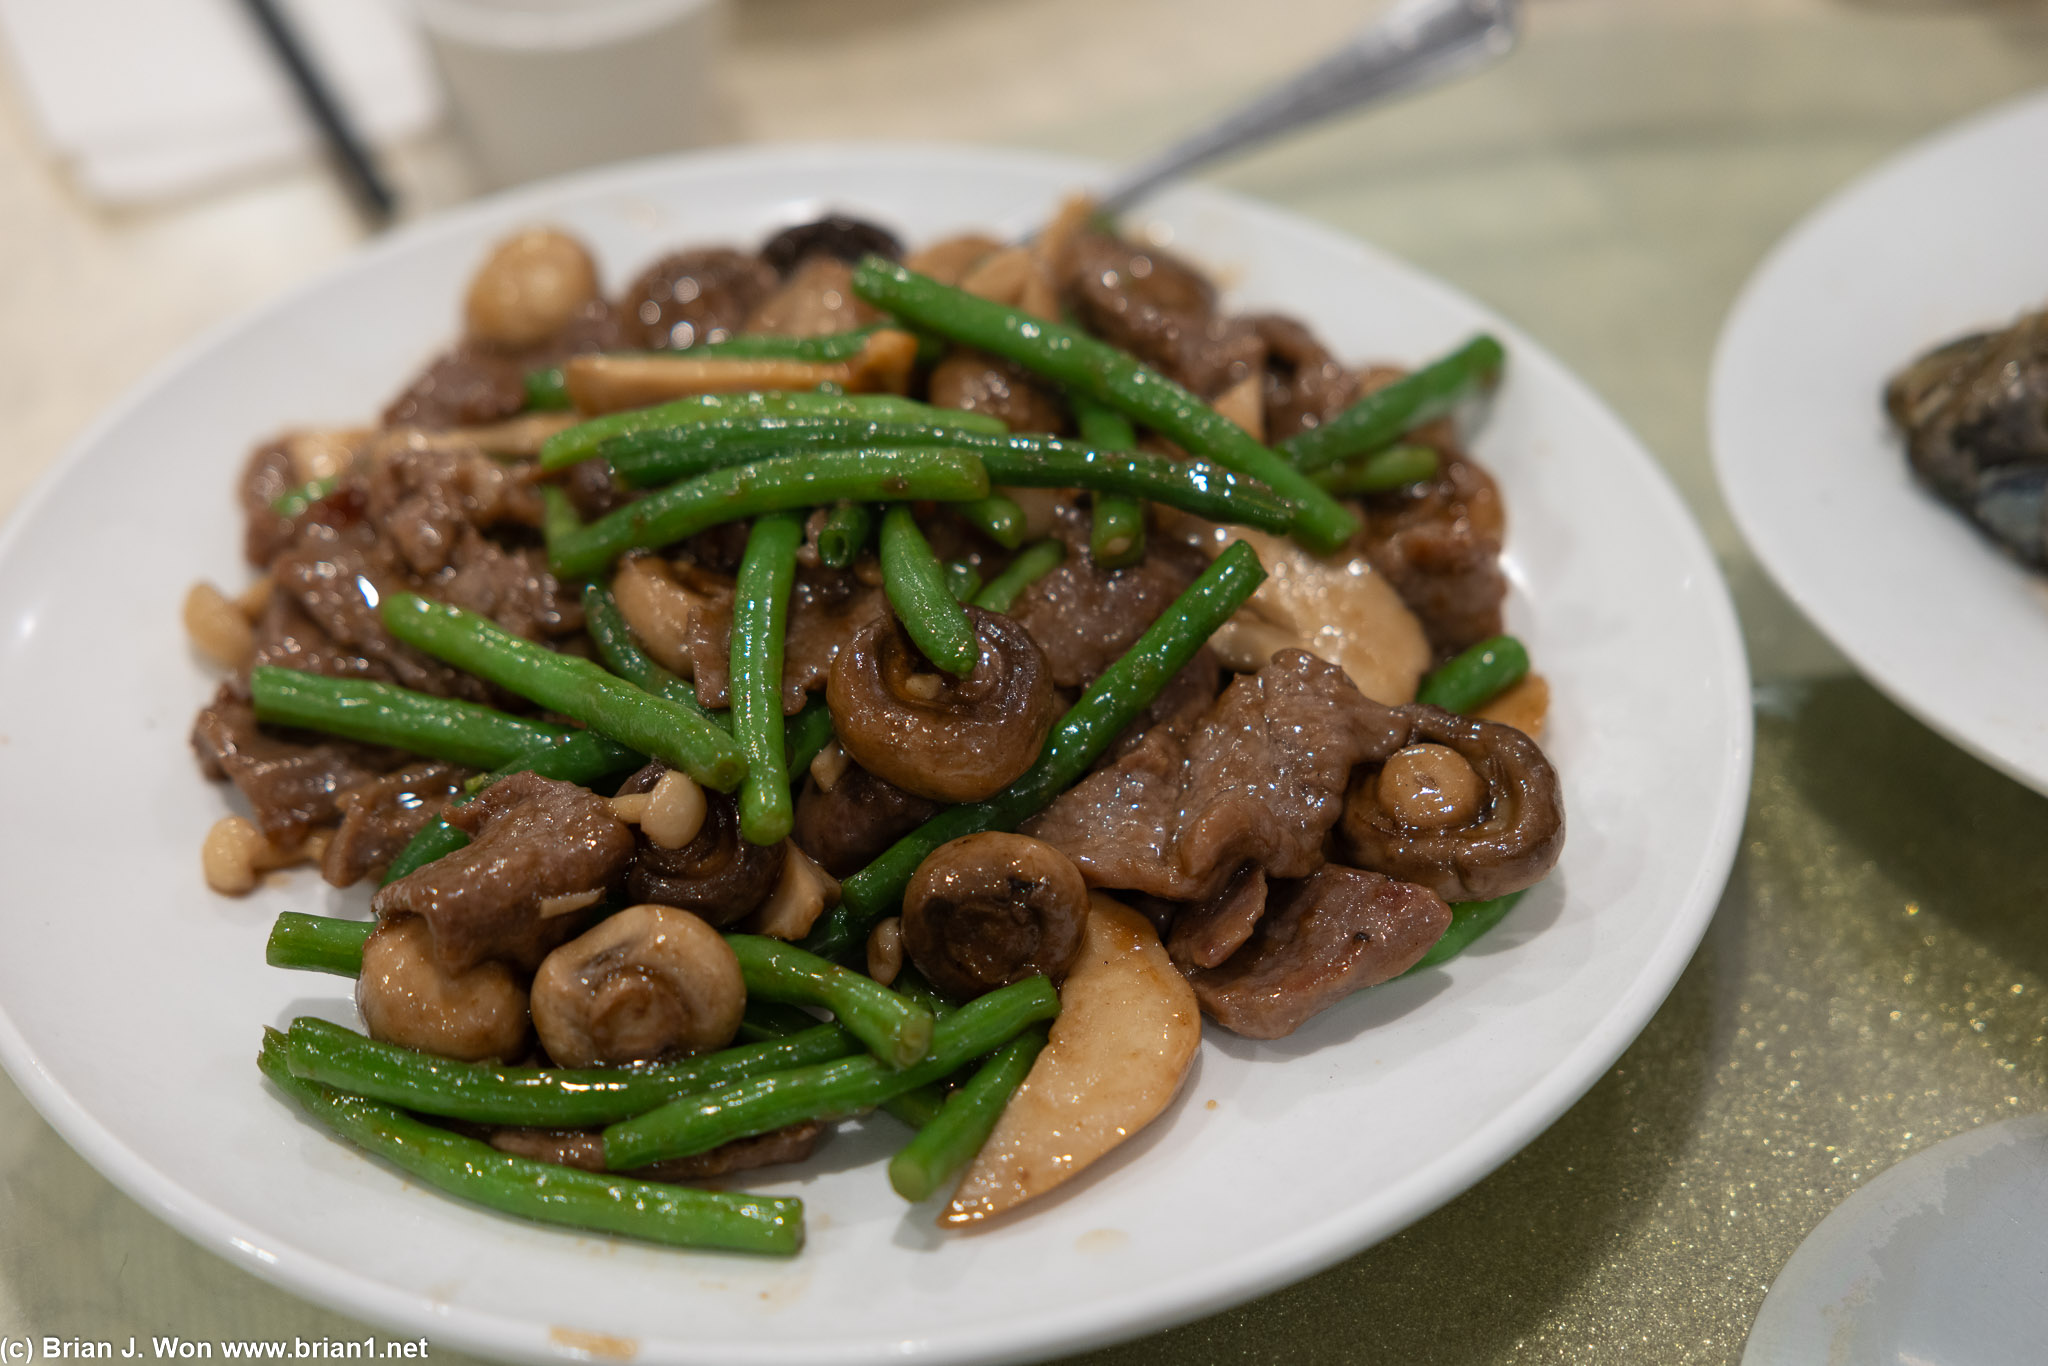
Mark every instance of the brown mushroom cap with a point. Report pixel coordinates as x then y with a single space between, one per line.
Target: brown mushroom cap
1510 843
649 982
950 739
986 910
717 875
477 1015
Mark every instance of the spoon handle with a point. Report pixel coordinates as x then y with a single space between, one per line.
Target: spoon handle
1416 43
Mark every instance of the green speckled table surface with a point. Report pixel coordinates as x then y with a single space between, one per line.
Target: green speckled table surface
1877 976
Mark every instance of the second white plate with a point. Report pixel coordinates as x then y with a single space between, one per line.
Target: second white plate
1946 238
1275 1160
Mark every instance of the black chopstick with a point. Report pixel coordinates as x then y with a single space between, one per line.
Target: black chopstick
357 168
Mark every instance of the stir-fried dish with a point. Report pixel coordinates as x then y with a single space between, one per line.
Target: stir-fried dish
1975 415
822 679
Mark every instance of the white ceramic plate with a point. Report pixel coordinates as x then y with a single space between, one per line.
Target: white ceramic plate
132 1010
1945 239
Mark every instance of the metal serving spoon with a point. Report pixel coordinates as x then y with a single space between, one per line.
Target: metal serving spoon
1414 45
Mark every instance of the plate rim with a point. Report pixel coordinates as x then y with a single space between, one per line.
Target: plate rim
326 1283
1771 268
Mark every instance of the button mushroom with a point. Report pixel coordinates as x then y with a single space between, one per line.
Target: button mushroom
650 982
949 739
986 910
1467 808
529 288
477 1015
717 875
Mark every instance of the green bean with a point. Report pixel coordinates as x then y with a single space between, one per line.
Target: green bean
1382 415
912 984
810 730
830 1090
558 515
760 615
385 714
1380 472
1476 676
1022 459
772 1020
1469 920
661 455
580 757
918 1107
916 584
1033 563
317 943
1110 376
742 491
1116 529
681 1216
952 1138
293 502
996 517
844 535
622 654
576 688
1110 704
547 390
580 442
894 1029
963 580
549 1097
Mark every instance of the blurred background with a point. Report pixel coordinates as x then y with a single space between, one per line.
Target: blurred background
1608 188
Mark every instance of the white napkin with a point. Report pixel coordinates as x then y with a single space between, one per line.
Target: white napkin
146 99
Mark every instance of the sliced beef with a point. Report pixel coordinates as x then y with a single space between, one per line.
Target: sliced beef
292 783
422 495
1084 616
1267 767
1179 705
334 576
513 587
380 817
1439 543
1205 934
1305 386
977 382
584 1148
718 876
1319 941
1119 824
1161 310
468 386
269 476
826 606
845 828
539 852
1259 779
692 296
